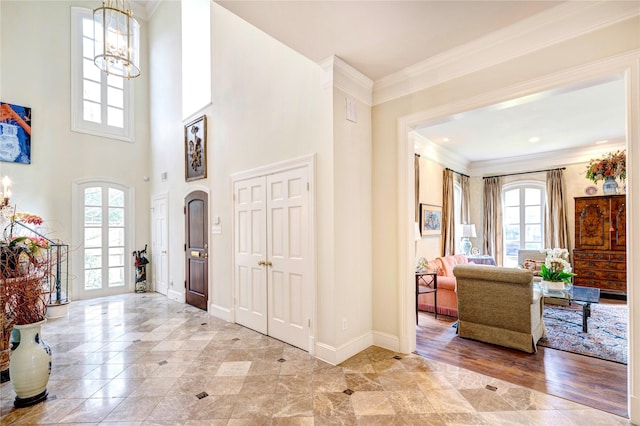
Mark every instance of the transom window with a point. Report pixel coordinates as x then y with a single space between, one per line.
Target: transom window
101 104
523 219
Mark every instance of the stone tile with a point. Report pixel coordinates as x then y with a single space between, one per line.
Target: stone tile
363 382
294 384
485 400
214 407
172 408
332 404
117 388
154 387
133 409
224 385
329 382
293 405
410 402
371 404
234 368
448 401
92 410
259 384
257 407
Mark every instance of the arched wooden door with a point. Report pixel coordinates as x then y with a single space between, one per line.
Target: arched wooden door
196 249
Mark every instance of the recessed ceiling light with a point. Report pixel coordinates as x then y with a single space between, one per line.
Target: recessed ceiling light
602 141
445 139
534 140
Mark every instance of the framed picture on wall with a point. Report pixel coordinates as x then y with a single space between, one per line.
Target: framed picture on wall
15 133
430 220
195 149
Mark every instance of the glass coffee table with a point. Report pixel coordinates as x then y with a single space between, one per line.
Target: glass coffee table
584 296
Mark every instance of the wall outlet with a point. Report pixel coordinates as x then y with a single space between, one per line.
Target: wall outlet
344 324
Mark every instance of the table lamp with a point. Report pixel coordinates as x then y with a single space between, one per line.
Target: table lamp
468 231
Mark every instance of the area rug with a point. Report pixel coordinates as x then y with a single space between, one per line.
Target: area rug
606 338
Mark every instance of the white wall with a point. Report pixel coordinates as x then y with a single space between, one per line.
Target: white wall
352 288
431 177
35 71
269 104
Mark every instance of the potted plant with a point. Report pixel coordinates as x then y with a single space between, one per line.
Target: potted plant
556 270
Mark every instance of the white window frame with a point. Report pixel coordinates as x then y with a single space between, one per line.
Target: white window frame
78 123
77 218
543 202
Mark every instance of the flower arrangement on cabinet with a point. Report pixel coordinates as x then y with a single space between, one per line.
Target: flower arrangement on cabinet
612 165
556 267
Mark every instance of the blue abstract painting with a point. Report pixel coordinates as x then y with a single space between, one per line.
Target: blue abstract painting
15 133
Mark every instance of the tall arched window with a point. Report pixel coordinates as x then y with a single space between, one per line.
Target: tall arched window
103 225
523 219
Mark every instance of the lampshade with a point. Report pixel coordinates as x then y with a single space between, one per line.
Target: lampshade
469 231
116 39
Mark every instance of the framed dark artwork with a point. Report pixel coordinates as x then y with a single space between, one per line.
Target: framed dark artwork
430 220
195 149
15 133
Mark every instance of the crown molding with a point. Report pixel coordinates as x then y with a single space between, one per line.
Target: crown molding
555 25
543 160
439 154
348 79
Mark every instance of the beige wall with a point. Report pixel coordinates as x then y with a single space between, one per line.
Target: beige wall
35 71
603 43
430 193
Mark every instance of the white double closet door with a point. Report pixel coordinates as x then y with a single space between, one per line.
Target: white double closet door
272 269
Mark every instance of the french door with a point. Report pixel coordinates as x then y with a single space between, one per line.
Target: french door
273 274
105 226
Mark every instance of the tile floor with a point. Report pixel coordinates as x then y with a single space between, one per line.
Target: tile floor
140 359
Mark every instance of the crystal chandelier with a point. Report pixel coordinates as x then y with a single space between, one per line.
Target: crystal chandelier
116 39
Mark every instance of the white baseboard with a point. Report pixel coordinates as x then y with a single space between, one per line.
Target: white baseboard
176 295
386 341
335 356
221 312
634 410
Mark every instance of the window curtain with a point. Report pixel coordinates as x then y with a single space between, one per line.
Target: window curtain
492 226
416 168
465 215
556 224
448 215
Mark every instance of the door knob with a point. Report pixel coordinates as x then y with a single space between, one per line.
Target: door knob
262 263
268 263
204 255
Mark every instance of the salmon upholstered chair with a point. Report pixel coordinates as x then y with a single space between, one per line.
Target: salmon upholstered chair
446 293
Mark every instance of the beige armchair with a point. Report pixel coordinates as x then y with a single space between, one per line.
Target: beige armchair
500 306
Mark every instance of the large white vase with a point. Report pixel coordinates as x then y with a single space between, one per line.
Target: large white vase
29 365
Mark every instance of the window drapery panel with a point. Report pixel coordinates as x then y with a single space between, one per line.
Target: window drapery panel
492 225
556 224
448 215
465 214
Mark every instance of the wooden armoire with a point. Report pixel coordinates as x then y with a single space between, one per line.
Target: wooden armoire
600 258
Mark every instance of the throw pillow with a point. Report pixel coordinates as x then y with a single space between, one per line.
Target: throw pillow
534 266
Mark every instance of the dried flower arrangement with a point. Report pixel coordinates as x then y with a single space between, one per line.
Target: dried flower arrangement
613 164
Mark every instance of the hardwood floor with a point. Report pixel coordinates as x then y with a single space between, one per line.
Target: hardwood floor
590 381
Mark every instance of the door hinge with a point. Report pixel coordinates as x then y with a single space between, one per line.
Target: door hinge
185 283
184 210
308 186
309 322
185 247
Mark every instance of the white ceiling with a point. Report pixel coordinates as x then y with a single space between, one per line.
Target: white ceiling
380 38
